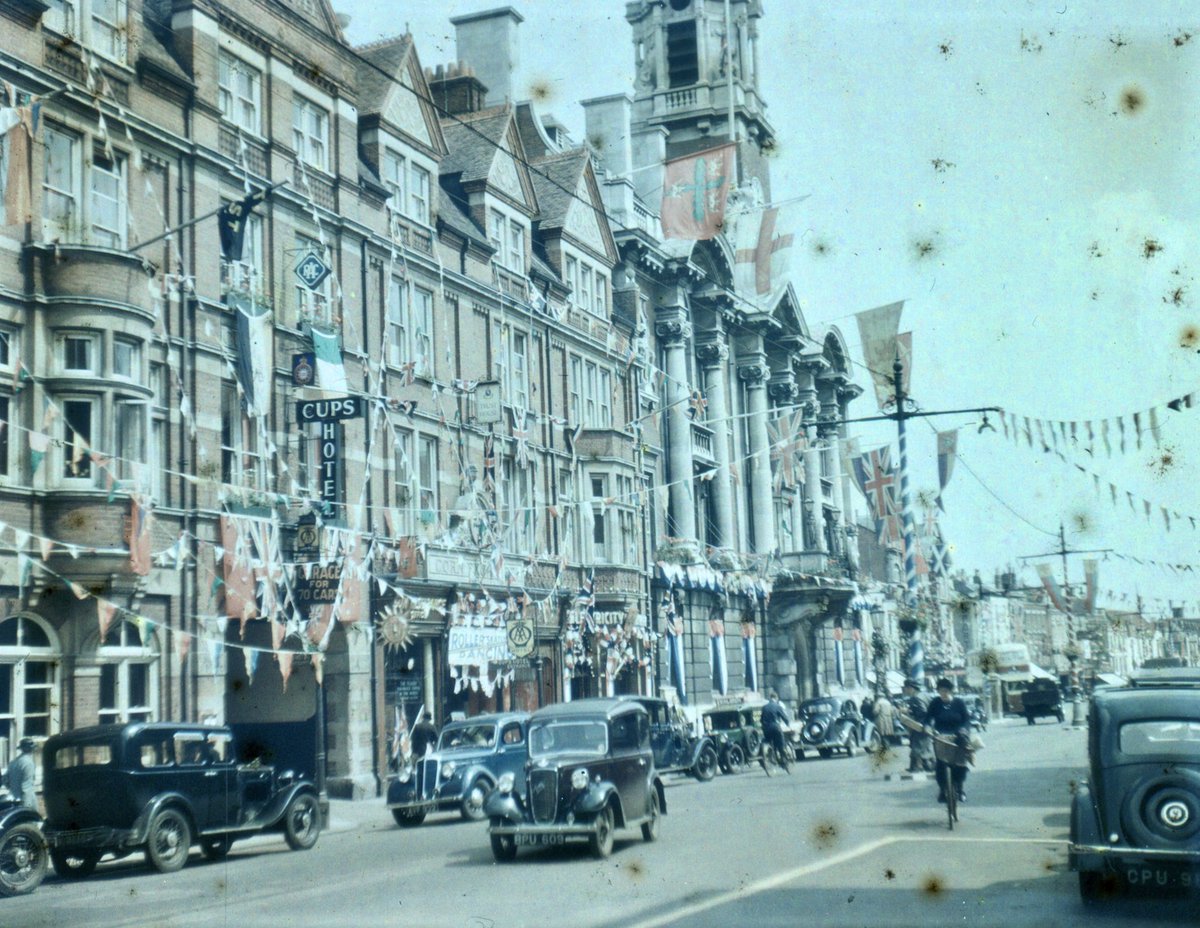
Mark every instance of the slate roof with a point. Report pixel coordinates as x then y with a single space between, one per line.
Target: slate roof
470 154
381 67
453 214
555 179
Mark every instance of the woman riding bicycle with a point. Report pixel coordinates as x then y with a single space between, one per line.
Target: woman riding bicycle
948 716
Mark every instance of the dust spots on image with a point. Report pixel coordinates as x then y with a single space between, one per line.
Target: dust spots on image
1164 460
1152 248
1117 41
1081 521
825 834
1030 43
1095 251
1132 100
1176 297
634 869
925 247
1181 39
933 886
889 874
820 247
941 165
541 90
946 49
1189 337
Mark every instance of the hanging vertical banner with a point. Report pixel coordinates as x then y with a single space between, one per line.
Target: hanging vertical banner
716 644
877 329
673 627
1046 575
331 375
1091 570
137 535
860 678
749 659
237 561
694 193
839 659
762 246
254 350
947 448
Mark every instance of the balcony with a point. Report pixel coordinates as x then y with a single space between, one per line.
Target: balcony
605 443
255 151
463 567
702 444
818 563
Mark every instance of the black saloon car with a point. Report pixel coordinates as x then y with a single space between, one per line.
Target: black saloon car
829 724
23 852
470 758
164 786
677 748
1042 699
737 734
1135 821
590 771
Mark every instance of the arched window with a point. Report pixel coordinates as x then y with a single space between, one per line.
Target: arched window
128 675
29 672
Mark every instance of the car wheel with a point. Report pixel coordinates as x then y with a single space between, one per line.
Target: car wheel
504 848
471 807
216 847
601 840
753 743
706 764
302 822
851 745
406 818
74 865
1163 810
168 841
875 745
650 827
735 760
23 859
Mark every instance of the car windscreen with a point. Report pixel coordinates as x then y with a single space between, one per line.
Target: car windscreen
724 721
577 736
1161 736
463 737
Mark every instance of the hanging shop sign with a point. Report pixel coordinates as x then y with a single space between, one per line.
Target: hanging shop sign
331 409
476 647
519 632
487 401
311 270
318 585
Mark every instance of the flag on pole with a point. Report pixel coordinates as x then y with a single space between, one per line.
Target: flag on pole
762 241
787 442
331 375
694 193
1091 569
1046 575
877 329
231 222
254 351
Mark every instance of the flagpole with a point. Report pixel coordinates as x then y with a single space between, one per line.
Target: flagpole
192 222
916 653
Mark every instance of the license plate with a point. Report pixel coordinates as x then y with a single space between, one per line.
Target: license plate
1157 877
539 840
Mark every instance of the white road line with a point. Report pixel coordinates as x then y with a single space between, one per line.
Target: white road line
787 876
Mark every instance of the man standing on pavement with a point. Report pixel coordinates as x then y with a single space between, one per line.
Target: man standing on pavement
19 776
774 719
424 735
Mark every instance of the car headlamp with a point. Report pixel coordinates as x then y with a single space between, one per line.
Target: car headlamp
579 779
405 774
506 782
448 770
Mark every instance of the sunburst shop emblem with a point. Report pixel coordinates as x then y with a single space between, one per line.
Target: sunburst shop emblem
395 629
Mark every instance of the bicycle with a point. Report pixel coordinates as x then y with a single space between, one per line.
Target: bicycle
951 755
770 756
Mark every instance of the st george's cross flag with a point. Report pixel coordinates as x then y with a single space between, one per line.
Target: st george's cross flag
694 193
762 242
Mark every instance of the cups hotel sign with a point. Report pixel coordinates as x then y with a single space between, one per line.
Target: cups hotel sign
326 413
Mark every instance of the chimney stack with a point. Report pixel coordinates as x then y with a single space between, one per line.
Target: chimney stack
489 43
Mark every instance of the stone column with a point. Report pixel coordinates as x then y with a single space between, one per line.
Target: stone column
782 391
673 330
754 374
828 437
713 356
814 496
847 392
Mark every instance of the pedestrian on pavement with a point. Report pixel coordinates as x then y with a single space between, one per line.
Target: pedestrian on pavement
948 716
774 719
424 735
885 716
19 776
867 709
919 746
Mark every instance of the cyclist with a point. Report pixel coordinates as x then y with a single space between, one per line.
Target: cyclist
774 718
948 716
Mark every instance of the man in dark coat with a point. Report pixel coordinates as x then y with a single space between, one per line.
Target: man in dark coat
949 717
774 720
424 735
913 705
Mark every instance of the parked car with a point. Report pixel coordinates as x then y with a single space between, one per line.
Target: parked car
1135 821
1042 698
23 853
977 709
677 747
827 724
590 771
470 758
162 787
737 734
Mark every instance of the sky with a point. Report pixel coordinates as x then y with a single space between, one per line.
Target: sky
1021 177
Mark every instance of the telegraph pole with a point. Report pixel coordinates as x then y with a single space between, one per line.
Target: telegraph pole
1072 642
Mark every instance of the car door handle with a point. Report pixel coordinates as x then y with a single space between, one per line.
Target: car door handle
641 762
210 773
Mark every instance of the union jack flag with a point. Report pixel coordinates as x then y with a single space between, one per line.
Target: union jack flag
586 598
489 461
877 479
697 403
786 435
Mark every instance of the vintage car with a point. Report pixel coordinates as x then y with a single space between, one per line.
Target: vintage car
677 747
590 771
827 724
1135 821
1042 698
469 759
737 734
23 852
977 709
164 786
